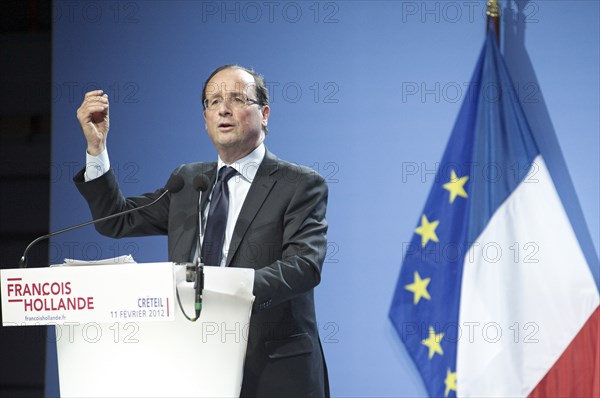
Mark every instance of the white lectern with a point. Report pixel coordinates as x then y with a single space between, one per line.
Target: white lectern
120 331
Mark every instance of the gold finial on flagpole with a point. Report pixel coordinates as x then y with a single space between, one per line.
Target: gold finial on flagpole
493 14
493 10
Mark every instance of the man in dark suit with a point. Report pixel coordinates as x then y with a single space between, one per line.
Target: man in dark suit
274 223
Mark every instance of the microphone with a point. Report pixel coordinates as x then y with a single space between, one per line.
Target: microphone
175 184
195 272
200 183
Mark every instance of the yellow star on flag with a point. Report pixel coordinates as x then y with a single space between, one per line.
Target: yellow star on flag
433 342
427 230
450 382
456 186
419 288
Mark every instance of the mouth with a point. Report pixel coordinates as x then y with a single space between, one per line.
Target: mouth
225 126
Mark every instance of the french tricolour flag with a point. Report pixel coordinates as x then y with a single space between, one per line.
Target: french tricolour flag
495 297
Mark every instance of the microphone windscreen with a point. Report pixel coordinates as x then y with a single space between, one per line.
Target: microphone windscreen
175 183
201 182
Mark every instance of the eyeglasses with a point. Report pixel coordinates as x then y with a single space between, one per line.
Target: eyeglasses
235 100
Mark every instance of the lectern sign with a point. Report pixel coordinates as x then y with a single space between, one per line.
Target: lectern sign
68 294
108 343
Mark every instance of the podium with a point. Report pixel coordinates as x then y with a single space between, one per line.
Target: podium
120 330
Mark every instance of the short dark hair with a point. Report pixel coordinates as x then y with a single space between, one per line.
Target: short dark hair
262 93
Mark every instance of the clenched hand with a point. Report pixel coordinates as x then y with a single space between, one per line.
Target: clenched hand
94 120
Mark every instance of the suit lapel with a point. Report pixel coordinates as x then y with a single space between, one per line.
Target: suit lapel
259 190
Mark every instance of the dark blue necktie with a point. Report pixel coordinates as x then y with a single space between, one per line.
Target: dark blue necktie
212 246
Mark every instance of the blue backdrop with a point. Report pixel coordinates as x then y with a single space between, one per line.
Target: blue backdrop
366 93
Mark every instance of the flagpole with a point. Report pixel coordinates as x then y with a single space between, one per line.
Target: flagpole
493 17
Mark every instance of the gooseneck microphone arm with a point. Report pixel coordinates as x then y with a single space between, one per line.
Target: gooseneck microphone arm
175 184
200 183
195 271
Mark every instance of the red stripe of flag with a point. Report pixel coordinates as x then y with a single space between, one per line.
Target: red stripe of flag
577 371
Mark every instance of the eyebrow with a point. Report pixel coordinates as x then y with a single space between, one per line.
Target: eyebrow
228 93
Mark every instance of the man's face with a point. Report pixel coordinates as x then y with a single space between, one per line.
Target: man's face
234 130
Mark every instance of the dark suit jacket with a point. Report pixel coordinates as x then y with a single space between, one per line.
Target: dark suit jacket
280 232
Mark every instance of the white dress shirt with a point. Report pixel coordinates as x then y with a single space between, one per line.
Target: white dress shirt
96 166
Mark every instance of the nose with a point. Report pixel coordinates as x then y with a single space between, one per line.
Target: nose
225 108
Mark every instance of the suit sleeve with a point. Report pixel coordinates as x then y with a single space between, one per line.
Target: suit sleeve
303 249
104 198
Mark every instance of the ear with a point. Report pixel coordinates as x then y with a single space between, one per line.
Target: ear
205 126
266 111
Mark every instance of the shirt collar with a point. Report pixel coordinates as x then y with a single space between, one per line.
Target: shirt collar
248 165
